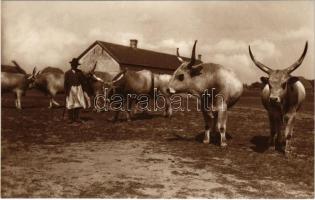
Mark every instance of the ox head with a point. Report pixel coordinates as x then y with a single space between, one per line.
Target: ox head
32 78
117 83
92 84
278 80
183 77
91 74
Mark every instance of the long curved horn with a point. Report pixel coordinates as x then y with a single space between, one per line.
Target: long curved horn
259 64
119 76
34 71
94 67
299 61
18 66
38 73
178 56
193 55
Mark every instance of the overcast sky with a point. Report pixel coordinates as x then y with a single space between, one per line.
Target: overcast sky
51 33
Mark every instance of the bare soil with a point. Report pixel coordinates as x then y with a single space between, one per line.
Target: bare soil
150 157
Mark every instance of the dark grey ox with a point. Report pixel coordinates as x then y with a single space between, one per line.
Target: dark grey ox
221 82
51 82
131 84
17 81
282 97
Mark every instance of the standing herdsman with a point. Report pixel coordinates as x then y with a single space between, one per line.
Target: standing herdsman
76 97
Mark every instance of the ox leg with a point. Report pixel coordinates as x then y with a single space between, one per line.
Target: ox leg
207 116
208 124
87 99
168 108
279 141
214 124
288 132
129 110
116 115
50 103
221 124
54 102
18 100
15 101
272 123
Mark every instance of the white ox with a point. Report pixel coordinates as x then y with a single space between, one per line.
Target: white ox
217 80
128 83
282 97
17 83
51 81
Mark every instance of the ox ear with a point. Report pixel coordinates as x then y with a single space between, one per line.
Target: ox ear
292 80
195 70
264 80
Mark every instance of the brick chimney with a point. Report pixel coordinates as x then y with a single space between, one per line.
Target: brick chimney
199 57
133 43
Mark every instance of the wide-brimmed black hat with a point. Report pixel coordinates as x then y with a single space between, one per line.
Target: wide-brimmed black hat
75 62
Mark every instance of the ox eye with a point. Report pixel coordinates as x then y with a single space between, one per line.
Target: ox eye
180 77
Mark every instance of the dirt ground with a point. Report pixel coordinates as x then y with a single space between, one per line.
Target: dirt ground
150 157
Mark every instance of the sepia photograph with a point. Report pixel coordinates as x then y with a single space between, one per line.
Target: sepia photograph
157 99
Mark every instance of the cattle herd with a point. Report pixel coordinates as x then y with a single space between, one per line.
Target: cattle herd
282 93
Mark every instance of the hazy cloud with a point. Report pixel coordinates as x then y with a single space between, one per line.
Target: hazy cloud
276 31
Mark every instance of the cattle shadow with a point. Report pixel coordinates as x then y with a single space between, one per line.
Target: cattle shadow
23 107
134 117
85 118
214 138
260 142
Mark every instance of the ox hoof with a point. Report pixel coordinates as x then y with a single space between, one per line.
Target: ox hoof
288 153
223 144
206 141
271 142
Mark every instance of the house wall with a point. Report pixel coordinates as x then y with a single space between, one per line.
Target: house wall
154 70
105 63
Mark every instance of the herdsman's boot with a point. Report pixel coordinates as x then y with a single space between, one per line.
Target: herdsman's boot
76 115
71 115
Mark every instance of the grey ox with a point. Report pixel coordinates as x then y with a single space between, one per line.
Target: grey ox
51 82
131 84
282 97
199 79
16 81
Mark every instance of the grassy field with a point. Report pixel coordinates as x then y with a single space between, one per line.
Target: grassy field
150 157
